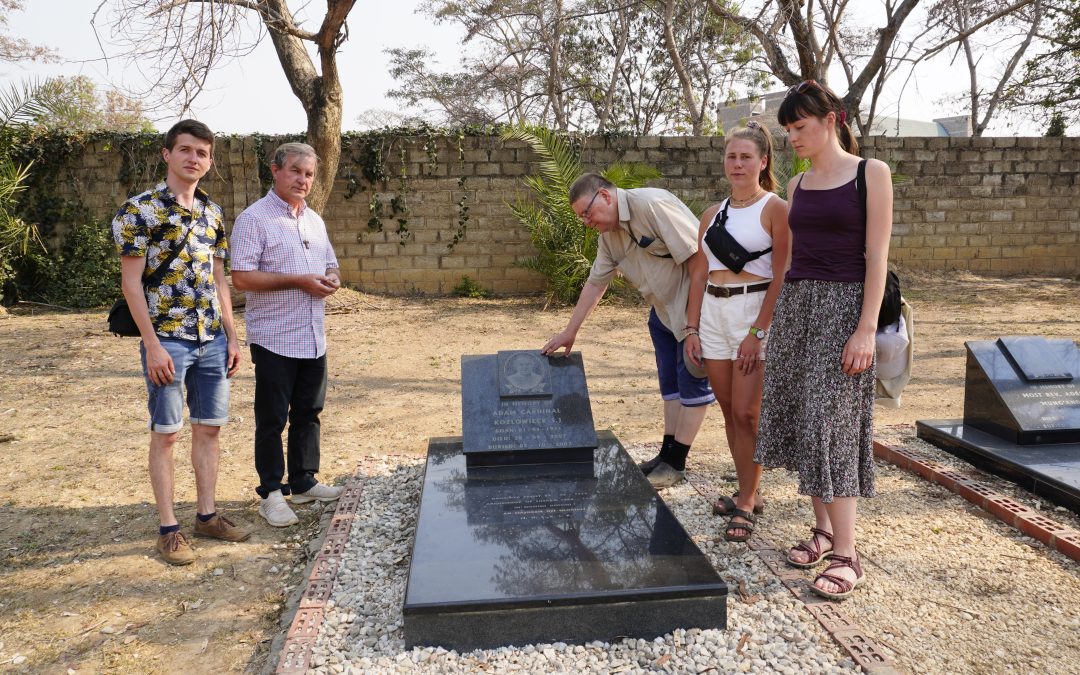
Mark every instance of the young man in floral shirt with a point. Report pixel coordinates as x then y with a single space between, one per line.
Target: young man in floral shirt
186 324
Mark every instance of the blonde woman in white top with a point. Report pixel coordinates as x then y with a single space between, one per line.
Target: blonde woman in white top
736 276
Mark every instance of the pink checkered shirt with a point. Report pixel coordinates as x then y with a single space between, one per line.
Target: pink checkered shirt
268 238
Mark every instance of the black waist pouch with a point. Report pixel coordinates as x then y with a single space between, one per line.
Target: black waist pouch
121 321
725 247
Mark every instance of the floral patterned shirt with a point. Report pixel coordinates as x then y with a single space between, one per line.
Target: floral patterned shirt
185 304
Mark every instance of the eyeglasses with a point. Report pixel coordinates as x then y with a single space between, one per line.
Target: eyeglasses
585 213
803 86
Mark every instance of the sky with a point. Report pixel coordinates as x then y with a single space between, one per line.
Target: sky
252 94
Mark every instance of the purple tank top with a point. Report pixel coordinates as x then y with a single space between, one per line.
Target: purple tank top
828 232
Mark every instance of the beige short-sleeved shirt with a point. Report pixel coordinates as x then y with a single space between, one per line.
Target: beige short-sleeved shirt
669 229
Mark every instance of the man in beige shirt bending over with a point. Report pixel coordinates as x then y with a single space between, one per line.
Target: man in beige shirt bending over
650 236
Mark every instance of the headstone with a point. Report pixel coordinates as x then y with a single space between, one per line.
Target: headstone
1021 415
520 551
1022 389
522 407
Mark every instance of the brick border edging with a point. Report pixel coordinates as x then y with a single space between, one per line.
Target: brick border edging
851 637
304 629
1064 540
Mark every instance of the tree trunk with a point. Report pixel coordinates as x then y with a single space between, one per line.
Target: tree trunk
692 108
324 134
320 95
554 78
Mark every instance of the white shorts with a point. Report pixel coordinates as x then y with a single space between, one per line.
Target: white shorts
726 321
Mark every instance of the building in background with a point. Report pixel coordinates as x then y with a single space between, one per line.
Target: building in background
765 107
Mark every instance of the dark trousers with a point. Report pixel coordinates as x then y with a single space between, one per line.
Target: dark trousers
292 390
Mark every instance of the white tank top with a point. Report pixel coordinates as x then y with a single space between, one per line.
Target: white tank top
745 226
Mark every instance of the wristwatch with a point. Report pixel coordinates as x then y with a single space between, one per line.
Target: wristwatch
759 333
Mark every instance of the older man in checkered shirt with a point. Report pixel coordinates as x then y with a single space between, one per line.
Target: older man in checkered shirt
283 260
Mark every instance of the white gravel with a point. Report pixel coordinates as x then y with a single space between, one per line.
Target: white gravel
949 589
362 628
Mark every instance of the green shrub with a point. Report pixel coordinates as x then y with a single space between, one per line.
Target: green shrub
84 272
470 289
565 247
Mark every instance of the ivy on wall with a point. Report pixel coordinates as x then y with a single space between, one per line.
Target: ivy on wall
365 166
378 161
78 266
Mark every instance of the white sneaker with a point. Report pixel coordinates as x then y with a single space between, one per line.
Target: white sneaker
318 493
276 511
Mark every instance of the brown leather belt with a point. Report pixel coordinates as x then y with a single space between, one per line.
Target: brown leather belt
728 291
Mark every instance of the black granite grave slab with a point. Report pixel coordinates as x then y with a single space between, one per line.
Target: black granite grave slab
1050 471
522 407
568 553
1023 389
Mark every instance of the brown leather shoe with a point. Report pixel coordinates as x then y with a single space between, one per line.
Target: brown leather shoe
175 549
220 527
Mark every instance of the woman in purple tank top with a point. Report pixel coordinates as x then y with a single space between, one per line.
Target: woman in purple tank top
818 401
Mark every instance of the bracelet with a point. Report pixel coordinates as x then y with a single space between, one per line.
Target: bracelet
691 331
689 327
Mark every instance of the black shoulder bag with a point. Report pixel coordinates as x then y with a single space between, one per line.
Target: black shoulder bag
120 319
725 247
890 302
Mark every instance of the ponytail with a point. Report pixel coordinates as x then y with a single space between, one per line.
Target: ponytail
843 133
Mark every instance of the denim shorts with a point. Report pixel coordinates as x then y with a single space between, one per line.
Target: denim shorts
675 381
201 369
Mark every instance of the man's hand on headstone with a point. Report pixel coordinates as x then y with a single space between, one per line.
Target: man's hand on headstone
562 341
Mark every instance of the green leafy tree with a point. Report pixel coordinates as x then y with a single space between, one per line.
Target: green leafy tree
565 247
76 105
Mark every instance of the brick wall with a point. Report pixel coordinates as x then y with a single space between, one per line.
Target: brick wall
994 205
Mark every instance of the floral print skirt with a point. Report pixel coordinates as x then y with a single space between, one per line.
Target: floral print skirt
815 419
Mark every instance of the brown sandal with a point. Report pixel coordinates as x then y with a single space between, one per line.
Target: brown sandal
811 547
847 587
725 506
747 527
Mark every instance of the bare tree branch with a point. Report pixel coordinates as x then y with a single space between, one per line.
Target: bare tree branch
773 51
1020 4
177 44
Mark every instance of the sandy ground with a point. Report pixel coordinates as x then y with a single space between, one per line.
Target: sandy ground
82 589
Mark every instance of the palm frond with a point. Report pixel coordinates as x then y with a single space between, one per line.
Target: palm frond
628 175
22 102
565 247
558 163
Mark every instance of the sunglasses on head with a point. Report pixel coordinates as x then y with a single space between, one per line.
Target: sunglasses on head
803 87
